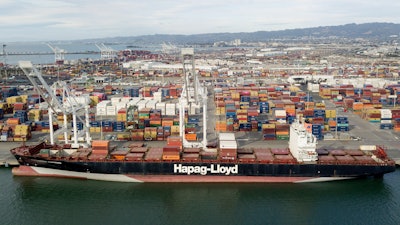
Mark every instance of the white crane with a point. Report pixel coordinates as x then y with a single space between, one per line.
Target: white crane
190 97
55 105
59 54
106 52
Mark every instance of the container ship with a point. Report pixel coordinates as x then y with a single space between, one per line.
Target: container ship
184 160
301 162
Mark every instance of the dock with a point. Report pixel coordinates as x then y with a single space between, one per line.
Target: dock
6 158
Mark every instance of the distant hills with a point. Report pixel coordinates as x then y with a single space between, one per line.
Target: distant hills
369 31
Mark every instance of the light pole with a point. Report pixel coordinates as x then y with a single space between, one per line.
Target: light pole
5 62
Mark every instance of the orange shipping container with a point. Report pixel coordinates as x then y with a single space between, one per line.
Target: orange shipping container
191 137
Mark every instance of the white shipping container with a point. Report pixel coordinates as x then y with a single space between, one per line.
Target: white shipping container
111 110
161 106
151 104
142 104
120 105
101 111
386 121
133 101
280 113
368 147
115 100
170 109
227 145
227 137
125 99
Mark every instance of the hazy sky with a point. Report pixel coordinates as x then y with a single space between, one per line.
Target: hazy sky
44 20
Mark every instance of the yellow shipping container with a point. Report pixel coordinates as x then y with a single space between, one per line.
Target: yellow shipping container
123 135
268 126
330 113
175 129
373 111
95 129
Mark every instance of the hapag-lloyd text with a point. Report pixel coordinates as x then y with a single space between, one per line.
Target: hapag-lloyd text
204 170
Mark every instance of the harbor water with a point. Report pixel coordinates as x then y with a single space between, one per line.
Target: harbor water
39 200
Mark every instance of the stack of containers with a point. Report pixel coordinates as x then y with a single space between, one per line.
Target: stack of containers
173 148
358 107
280 115
308 113
20 106
317 131
4 107
123 137
170 109
263 155
165 92
9 91
22 133
95 126
6 134
269 131
119 154
155 118
79 125
150 133
100 149
22 115
122 115
386 119
373 115
220 126
282 131
119 126
227 146
138 135
35 115
319 115
154 154
101 108
175 130
107 126
342 124
146 92
173 92
108 89
167 131
111 110
132 92
160 133
161 106
264 107
396 119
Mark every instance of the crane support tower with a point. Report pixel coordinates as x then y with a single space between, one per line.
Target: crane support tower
67 105
106 53
194 96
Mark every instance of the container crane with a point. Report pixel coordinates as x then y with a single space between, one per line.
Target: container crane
193 95
55 105
106 52
59 54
